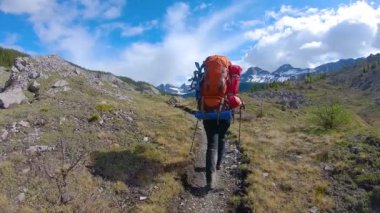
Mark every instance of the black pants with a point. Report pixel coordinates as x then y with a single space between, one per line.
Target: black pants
216 139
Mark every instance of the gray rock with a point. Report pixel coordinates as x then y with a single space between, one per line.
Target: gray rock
39 122
314 209
26 170
129 118
24 124
39 148
3 135
60 83
32 136
33 74
14 128
21 197
11 96
65 198
328 168
34 87
77 71
355 150
65 89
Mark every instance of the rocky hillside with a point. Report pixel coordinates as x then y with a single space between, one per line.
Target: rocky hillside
73 140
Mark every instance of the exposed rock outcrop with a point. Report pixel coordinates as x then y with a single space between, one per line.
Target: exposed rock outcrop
11 96
34 87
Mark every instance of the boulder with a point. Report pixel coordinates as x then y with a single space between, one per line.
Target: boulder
11 96
24 124
34 87
3 135
60 83
33 74
21 197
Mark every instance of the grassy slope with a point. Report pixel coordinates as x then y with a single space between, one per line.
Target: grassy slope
287 151
118 162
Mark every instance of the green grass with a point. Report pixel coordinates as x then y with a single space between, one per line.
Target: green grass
104 107
94 117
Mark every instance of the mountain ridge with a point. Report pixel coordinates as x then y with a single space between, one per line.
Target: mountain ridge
282 73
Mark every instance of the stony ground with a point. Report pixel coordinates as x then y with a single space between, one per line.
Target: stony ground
196 198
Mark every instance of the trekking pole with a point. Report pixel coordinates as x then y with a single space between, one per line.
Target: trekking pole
239 123
241 107
195 131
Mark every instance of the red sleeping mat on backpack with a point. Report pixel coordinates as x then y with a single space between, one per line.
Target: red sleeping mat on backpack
233 100
234 72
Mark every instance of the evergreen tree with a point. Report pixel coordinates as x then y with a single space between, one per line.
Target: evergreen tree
7 56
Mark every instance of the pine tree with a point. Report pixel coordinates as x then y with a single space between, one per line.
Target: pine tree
7 56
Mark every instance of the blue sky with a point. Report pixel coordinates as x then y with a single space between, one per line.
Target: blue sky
158 41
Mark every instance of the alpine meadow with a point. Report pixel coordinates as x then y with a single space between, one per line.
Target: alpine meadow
196 106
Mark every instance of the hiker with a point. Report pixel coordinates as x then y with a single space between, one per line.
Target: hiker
216 96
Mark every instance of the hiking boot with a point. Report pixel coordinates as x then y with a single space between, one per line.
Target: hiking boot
218 167
211 183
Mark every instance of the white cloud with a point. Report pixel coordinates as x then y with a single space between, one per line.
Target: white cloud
109 9
376 42
311 45
10 41
203 6
172 59
250 23
126 30
169 60
19 7
60 25
309 36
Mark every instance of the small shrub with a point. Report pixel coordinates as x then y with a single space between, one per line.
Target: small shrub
308 79
368 179
94 117
235 201
373 66
120 187
320 191
332 116
375 197
104 107
323 156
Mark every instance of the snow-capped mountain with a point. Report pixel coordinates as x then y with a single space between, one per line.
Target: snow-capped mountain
283 73
256 74
173 90
288 72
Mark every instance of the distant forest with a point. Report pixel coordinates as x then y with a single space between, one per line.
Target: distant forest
7 56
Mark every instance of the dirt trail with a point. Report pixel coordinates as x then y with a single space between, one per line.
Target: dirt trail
196 198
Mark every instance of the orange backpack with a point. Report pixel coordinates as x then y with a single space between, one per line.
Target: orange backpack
214 83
